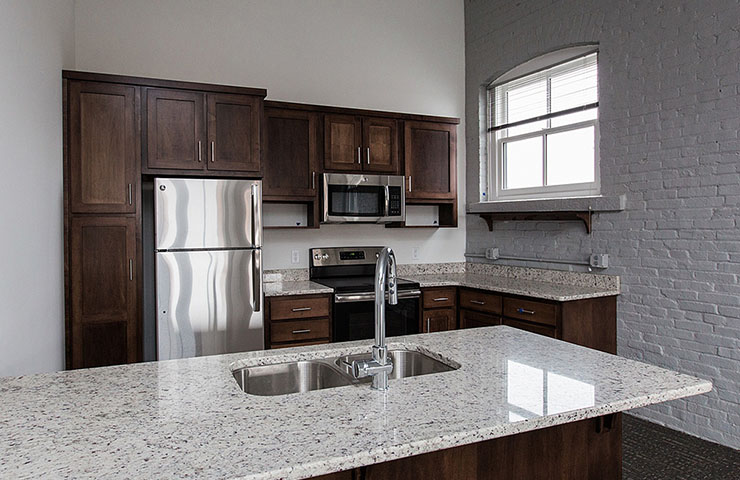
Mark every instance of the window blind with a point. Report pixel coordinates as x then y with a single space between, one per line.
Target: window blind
560 90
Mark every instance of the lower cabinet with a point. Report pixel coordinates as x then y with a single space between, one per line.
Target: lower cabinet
297 320
590 322
102 290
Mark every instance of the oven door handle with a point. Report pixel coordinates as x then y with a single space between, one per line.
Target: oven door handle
367 297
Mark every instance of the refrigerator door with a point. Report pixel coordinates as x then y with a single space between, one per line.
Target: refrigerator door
207 214
208 302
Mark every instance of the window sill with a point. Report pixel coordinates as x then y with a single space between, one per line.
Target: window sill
547 209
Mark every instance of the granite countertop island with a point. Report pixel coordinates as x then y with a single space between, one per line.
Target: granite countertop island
189 419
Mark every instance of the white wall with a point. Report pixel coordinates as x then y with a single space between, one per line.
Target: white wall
36 42
385 54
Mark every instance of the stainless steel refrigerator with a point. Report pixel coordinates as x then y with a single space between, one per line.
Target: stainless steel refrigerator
208 239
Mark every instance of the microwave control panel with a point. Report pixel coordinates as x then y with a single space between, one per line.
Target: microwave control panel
394 201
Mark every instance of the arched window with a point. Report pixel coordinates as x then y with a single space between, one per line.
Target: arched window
543 132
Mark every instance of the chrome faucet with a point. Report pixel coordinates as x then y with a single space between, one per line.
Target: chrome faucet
380 365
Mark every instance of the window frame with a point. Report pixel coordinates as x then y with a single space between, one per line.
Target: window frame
495 160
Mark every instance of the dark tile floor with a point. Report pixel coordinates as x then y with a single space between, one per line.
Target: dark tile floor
652 452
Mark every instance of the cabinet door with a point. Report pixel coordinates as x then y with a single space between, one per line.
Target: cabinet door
175 129
531 327
103 290
342 142
234 132
430 160
103 148
470 319
290 153
438 320
380 138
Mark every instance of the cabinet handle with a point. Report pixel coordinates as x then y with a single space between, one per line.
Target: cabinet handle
528 312
131 269
409 183
306 330
301 309
368 155
359 160
130 194
213 152
200 151
313 180
429 321
477 302
441 299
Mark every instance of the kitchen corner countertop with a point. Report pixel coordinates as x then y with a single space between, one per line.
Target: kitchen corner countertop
514 286
278 289
188 418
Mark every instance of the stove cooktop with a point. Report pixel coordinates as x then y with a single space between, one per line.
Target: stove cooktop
360 284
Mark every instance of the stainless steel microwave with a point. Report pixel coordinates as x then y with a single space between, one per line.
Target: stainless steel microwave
363 198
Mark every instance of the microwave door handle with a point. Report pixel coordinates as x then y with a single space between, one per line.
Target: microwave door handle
387 191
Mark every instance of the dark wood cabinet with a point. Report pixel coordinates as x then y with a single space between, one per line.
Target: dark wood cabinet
103 290
430 160
439 320
439 309
176 131
205 132
296 320
233 132
353 143
290 154
342 142
103 147
473 319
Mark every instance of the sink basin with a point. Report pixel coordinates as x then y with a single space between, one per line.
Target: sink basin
304 376
293 377
406 363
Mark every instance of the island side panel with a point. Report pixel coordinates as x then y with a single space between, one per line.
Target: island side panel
591 323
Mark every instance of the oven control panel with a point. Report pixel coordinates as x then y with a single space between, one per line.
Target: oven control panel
327 257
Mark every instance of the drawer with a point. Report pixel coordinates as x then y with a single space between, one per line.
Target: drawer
285 308
481 301
531 311
531 327
470 319
299 330
439 297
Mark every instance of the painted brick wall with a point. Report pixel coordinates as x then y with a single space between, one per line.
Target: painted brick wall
670 115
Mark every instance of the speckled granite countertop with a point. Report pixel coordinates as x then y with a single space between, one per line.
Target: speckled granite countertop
515 286
304 287
188 419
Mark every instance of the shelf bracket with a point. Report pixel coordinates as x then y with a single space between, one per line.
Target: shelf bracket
584 217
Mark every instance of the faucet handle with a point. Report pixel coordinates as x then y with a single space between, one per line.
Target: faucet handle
367 368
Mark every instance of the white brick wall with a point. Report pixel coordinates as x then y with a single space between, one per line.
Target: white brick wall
670 115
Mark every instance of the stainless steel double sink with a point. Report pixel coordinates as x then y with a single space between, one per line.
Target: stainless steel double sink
317 374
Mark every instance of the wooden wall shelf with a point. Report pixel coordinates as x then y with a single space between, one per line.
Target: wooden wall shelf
584 217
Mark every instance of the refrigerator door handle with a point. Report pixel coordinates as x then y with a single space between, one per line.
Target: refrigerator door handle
257 279
257 215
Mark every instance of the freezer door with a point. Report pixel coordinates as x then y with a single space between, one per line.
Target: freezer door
207 213
208 302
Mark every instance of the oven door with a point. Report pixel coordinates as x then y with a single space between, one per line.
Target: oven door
353 317
363 198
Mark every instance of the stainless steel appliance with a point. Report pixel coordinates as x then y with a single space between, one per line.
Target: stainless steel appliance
363 198
350 272
208 239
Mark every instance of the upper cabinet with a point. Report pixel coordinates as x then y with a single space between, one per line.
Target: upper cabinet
196 131
290 154
430 160
103 147
354 143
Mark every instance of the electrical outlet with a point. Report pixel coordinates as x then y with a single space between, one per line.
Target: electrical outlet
492 253
415 253
599 260
295 257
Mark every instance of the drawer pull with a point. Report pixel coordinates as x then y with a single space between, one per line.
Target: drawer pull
441 299
528 312
429 321
477 302
301 309
305 330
